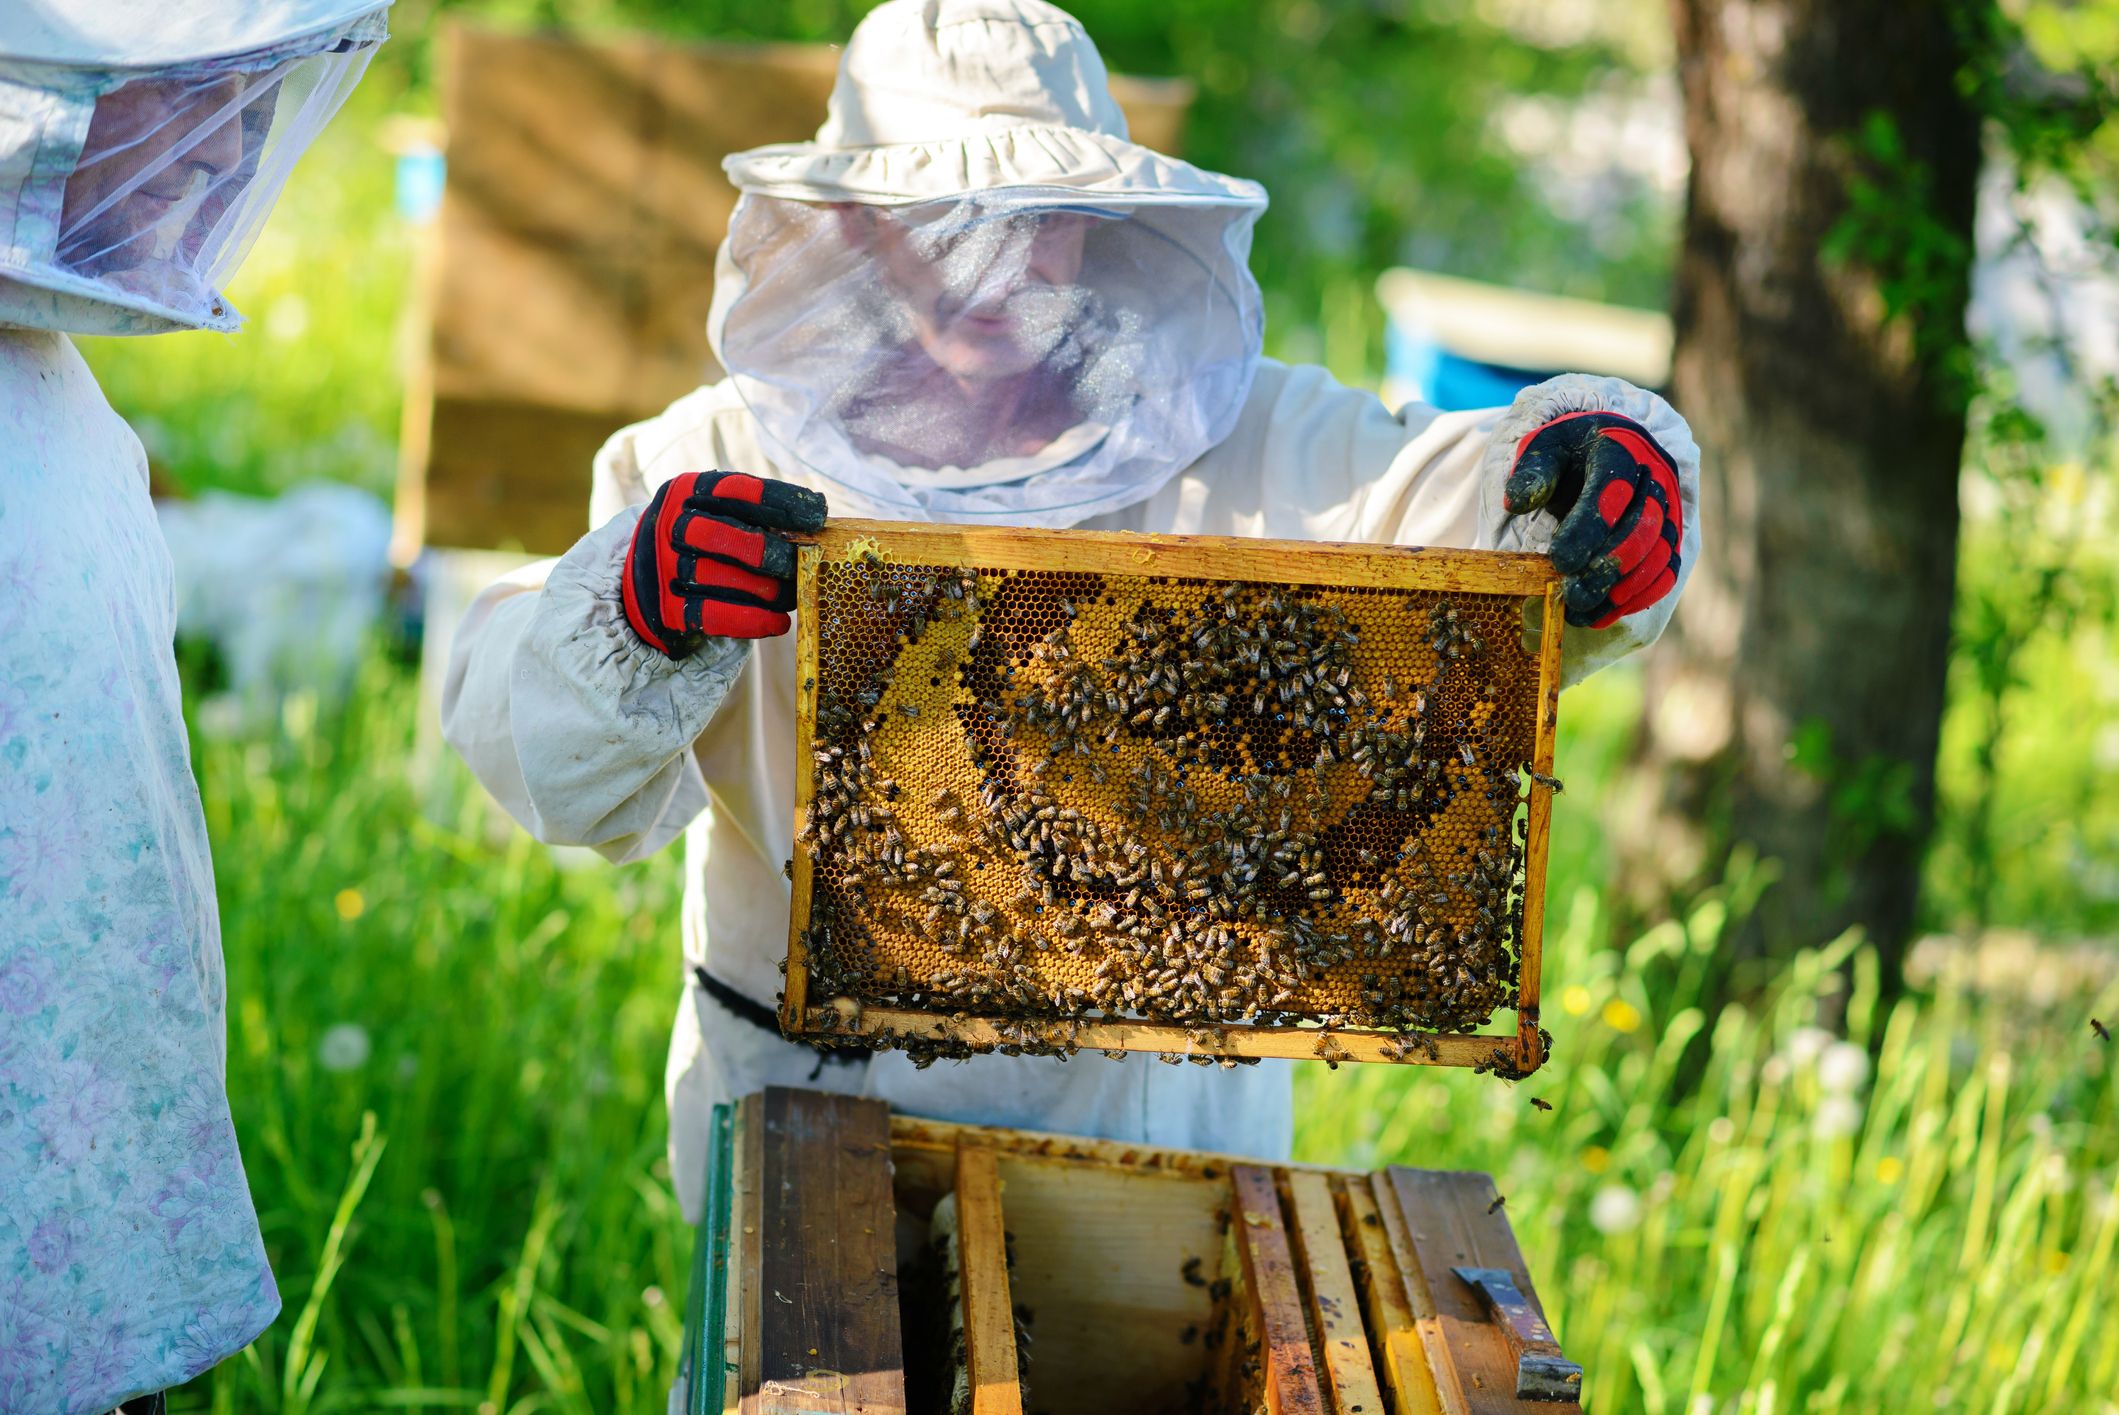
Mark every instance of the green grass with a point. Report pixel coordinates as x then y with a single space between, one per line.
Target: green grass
475 1214
472 1206
1720 1221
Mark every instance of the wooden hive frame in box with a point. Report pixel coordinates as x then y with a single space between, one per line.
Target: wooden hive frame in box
1300 832
1083 1277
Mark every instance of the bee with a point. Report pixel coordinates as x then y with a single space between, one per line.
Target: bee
1495 1206
1541 1104
1399 1048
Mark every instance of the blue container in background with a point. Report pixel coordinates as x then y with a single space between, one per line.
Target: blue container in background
421 172
1457 344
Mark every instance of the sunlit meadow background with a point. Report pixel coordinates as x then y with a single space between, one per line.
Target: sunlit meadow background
445 1047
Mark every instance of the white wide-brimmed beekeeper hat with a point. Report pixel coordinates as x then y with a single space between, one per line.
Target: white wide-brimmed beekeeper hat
143 142
937 98
979 124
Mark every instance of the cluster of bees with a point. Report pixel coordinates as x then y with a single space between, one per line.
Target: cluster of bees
1203 818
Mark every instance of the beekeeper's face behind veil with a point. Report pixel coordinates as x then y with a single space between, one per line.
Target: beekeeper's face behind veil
142 144
985 304
972 298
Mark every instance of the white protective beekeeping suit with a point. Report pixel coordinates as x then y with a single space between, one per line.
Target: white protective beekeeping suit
971 298
141 144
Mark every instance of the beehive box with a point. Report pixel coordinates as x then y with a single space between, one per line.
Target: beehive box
853 1260
1215 799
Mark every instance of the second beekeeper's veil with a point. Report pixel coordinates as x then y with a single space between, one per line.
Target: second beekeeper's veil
972 298
142 143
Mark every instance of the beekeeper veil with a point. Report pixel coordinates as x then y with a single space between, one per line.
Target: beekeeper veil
142 143
972 298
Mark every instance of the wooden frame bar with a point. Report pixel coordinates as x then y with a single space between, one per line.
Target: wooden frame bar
1275 1296
1383 1301
982 1269
1295 562
1530 939
1328 1286
1299 1043
794 995
1210 558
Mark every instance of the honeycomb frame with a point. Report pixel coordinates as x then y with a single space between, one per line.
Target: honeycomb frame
819 1002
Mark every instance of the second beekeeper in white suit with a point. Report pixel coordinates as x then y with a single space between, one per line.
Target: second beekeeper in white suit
972 299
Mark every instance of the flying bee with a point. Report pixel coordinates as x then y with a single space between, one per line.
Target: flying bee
1541 1104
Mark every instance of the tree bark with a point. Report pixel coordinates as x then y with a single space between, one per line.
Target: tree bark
1830 434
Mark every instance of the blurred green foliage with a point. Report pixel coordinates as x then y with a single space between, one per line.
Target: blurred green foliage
2027 831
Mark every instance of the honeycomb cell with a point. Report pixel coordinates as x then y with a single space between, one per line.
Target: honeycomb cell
1051 797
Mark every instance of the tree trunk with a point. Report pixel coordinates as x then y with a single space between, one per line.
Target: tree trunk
1797 703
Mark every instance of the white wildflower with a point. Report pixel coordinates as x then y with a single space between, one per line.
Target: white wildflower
1615 1209
345 1047
1837 1117
1843 1068
1805 1045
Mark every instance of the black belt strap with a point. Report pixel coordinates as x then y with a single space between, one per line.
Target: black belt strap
765 1019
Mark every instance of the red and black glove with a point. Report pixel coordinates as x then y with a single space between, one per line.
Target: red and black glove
705 561
1614 491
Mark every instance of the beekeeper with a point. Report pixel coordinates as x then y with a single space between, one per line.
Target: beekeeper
972 299
141 144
